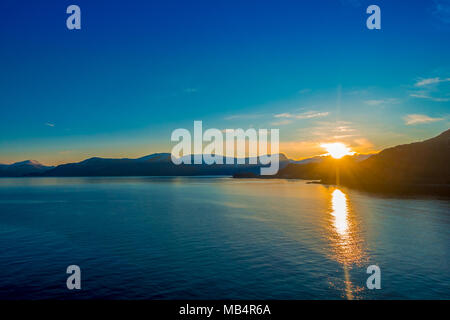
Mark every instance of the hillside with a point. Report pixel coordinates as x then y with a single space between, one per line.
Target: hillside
418 166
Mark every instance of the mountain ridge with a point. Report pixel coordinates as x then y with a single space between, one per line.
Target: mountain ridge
157 164
415 164
416 167
23 168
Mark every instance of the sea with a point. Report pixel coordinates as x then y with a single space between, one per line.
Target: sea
218 238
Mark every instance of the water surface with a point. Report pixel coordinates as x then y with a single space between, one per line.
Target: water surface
217 238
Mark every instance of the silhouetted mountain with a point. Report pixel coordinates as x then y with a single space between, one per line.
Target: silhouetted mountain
159 164
357 157
405 168
362 157
315 159
159 157
22 168
420 163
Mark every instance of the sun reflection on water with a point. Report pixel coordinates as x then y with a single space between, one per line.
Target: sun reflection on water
345 237
340 211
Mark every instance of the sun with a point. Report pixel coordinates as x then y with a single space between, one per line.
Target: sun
337 149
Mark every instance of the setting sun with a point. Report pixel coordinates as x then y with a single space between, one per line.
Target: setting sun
337 149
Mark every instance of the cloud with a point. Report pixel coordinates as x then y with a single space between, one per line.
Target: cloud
412 119
191 90
49 124
304 115
284 115
429 81
281 122
432 89
377 102
343 136
343 128
425 96
325 130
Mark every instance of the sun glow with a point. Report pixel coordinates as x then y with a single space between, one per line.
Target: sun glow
337 149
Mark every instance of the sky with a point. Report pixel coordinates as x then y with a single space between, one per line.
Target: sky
137 70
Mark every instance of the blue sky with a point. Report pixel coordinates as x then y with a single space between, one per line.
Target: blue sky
137 70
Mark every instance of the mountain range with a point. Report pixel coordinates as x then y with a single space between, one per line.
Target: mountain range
23 168
158 164
405 168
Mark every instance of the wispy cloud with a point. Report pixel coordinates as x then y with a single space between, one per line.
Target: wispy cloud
281 122
412 119
322 130
48 124
377 102
429 81
190 90
304 115
432 89
425 96
281 118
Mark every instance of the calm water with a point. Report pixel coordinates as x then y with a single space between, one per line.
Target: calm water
217 238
